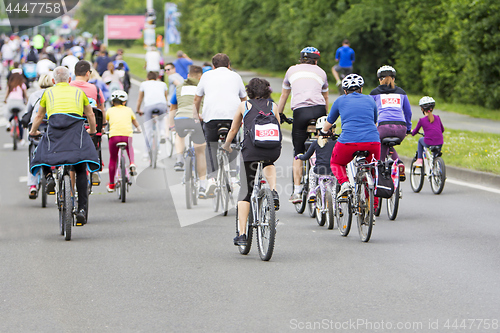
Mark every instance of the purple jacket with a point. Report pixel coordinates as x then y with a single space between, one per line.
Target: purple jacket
392 105
433 131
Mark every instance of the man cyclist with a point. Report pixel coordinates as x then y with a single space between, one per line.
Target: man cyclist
308 85
345 58
224 91
66 142
181 112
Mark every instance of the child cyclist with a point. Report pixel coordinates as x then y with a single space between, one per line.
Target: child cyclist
323 148
432 126
120 119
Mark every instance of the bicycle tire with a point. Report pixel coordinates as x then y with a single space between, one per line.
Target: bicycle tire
320 216
43 189
365 214
154 148
60 206
379 207
217 197
329 221
170 142
225 192
124 180
195 187
301 207
245 249
438 176
311 206
343 213
15 129
417 175
188 182
67 207
392 204
266 228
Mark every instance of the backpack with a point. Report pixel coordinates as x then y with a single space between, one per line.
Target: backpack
265 131
384 185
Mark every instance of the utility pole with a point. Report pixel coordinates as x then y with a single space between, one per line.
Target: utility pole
149 26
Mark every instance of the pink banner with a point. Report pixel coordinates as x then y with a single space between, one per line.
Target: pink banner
125 26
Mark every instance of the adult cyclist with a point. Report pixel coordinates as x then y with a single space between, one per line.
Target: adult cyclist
66 142
308 85
394 112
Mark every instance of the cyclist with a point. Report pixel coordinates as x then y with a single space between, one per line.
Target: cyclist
120 119
323 147
308 85
182 64
181 113
223 90
345 58
69 144
82 77
359 114
155 94
45 81
432 126
15 97
258 91
394 112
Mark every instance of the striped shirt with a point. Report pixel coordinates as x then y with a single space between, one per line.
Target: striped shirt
308 83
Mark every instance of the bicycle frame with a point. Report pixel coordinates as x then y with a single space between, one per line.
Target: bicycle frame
323 183
254 198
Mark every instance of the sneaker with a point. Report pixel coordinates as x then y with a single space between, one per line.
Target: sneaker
110 187
402 175
211 188
418 162
311 197
344 189
240 240
234 181
295 198
51 185
276 199
80 217
202 193
163 140
96 180
22 142
133 170
179 166
33 192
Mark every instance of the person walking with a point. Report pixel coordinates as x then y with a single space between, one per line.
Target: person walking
345 58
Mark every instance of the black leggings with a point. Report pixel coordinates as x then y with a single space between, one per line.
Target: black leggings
250 171
210 130
81 182
301 117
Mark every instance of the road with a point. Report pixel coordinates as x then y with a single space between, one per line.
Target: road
133 268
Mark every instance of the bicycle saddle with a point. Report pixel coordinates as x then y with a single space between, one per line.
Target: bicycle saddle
155 111
121 144
311 126
391 141
361 153
436 150
222 131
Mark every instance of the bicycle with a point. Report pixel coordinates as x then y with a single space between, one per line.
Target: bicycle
432 166
41 180
360 201
393 201
191 180
324 201
14 128
169 142
154 145
223 191
262 217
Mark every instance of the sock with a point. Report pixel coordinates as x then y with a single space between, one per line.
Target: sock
203 183
297 189
179 158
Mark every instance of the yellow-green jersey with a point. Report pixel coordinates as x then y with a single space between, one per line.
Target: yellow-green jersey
63 98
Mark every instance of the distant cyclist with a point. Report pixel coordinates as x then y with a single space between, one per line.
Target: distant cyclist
358 114
394 111
345 58
308 85
15 98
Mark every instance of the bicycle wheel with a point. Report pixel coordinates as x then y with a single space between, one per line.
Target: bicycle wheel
320 216
312 209
170 144
60 207
225 188
217 197
329 209
154 148
343 212
365 211
438 176
379 207
266 227
43 189
195 182
123 178
300 207
67 207
392 204
15 133
246 248
417 175
188 180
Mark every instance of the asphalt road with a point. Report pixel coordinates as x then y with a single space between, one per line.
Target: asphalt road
133 268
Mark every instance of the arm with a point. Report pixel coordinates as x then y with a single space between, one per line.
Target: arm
89 113
407 112
136 124
415 131
276 114
38 120
171 115
325 95
309 153
196 107
235 126
283 98
139 102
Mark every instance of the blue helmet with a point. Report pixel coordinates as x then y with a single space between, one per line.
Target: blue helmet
309 53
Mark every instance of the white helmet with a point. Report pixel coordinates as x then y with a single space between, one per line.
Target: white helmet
119 95
386 71
352 82
320 122
427 102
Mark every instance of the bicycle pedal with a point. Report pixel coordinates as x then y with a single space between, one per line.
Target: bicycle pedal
51 193
79 224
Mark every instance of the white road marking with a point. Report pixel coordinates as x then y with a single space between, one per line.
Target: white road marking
8 145
135 82
477 187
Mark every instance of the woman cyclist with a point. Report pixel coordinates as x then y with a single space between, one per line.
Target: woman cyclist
358 114
120 119
394 111
15 98
258 91
432 126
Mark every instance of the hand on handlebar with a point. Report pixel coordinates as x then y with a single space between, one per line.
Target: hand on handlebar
140 113
298 156
35 134
227 146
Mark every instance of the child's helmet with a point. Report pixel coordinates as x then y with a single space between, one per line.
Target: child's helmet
427 102
320 122
119 95
386 71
